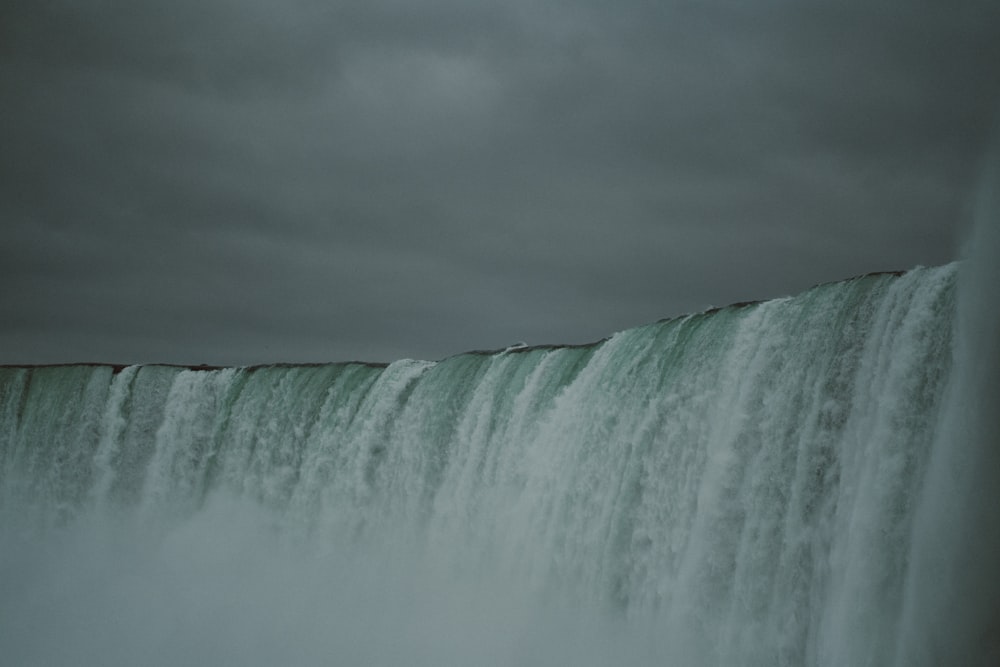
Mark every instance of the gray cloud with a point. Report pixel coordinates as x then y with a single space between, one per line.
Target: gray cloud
235 182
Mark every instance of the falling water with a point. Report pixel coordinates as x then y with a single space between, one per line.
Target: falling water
754 485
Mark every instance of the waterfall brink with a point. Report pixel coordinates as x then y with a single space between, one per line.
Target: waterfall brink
776 483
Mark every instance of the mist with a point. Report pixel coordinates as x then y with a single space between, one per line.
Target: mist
230 586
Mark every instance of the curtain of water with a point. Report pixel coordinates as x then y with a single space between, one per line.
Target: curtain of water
731 487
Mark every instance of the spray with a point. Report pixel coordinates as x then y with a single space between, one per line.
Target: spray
952 610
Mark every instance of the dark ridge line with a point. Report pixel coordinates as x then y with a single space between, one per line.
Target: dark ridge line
746 304
870 274
711 311
289 364
739 305
521 349
115 368
118 368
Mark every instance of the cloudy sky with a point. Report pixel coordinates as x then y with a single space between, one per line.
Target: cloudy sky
236 181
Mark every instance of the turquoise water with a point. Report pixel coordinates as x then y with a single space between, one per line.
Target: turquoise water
746 486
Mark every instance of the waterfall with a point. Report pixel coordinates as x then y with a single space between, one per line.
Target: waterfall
752 485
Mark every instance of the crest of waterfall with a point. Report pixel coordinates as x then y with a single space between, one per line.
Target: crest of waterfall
745 486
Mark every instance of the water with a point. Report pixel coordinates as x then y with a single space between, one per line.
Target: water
780 483
956 545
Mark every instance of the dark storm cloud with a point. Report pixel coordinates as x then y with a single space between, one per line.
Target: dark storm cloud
237 182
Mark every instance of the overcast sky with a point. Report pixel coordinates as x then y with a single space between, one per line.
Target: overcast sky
237 181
